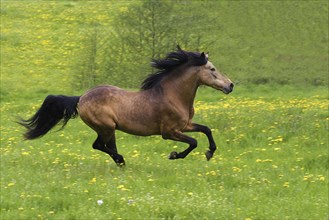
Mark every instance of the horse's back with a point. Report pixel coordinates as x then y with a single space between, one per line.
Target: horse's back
99 92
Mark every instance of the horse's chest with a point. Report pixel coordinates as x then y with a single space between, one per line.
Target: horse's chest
177 117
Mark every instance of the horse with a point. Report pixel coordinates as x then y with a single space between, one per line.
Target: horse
163 106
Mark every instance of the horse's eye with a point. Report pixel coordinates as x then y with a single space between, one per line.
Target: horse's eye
212 69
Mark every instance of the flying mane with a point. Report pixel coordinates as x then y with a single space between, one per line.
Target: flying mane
169 63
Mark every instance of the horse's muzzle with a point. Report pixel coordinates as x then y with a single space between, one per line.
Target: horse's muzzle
228 89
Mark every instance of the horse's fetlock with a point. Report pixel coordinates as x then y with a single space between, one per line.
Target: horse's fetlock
213 147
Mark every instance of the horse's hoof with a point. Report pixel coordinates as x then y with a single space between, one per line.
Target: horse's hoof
173 155
209 154
121 165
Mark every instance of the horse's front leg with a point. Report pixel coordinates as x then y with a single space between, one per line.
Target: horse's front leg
204 129
179 136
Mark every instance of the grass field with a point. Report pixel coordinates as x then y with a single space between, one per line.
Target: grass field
272 163
272 158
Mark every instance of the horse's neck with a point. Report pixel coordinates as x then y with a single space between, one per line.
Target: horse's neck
182 88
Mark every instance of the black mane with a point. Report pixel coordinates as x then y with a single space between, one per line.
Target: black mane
169 63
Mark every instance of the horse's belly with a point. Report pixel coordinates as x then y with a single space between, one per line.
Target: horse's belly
138 129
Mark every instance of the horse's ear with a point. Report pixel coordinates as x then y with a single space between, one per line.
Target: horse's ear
202 60
204 55
178 48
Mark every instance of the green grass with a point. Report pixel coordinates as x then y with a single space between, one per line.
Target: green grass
272 158
272 163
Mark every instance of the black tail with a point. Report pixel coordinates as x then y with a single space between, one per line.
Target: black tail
52 111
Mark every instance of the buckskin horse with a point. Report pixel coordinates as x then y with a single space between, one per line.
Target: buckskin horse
163 106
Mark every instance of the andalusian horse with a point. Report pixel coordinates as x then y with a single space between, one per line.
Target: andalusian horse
163 106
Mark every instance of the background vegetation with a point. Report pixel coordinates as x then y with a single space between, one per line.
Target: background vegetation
79 44
271 131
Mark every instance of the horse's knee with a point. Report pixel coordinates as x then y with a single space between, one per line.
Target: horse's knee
205 130
193 143
172 135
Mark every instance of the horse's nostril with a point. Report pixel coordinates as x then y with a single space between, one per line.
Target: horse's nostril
231 85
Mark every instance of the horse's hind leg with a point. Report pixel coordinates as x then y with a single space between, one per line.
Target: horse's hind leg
108 145
111 145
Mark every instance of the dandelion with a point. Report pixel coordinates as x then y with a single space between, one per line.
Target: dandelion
93 180
122 188
321 178
11 184
136 153
236 169
25 153
56 161
286 185
212 173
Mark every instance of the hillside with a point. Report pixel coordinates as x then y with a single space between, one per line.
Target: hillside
254 42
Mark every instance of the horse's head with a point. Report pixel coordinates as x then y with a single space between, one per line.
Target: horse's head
209 75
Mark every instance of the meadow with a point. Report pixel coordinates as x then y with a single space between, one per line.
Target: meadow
272 163
271 132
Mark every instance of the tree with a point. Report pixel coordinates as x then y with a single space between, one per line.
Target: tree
147 30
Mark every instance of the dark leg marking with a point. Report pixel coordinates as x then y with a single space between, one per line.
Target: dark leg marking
109 148
204 129
178 136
